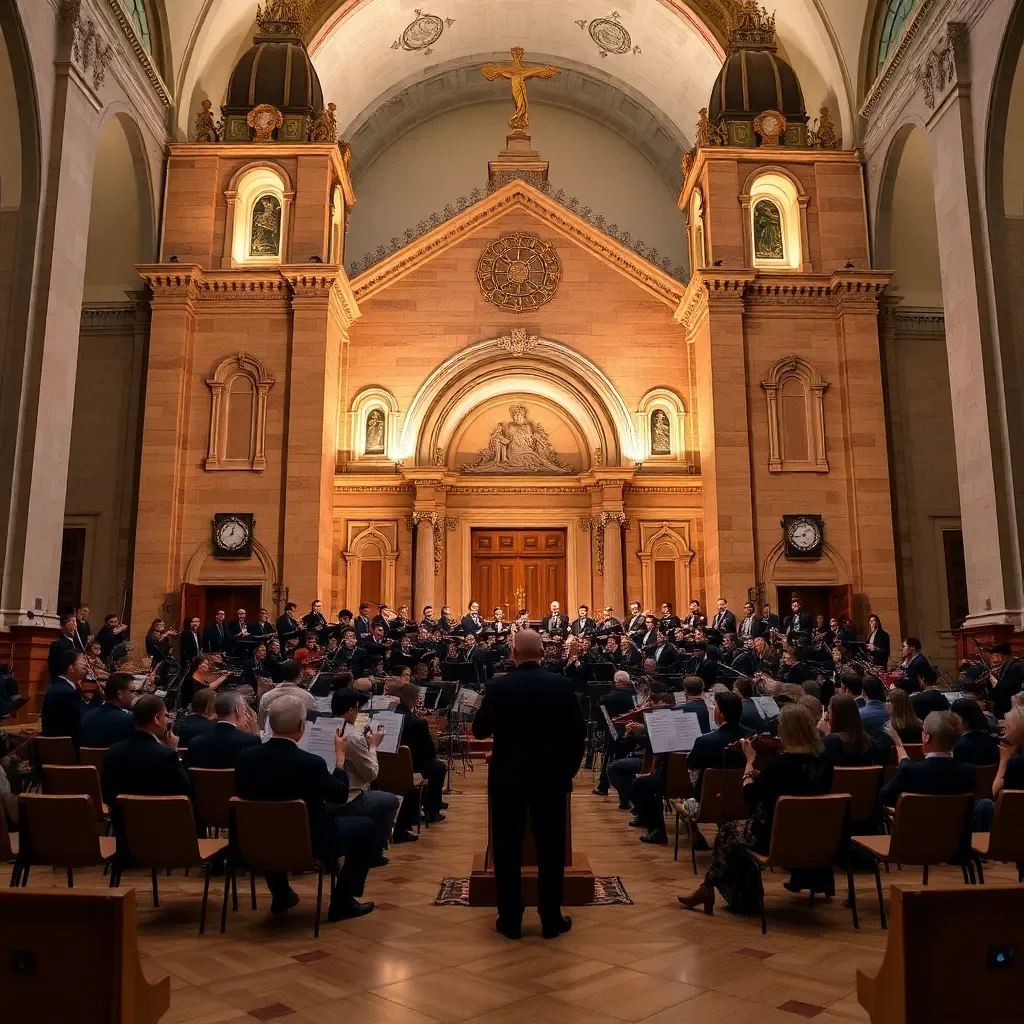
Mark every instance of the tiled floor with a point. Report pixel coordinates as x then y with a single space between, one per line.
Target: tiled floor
411 963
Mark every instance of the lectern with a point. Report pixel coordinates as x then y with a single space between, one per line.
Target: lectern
579 879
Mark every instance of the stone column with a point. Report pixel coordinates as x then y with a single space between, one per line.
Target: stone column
613 524
426 524
994 587
35 421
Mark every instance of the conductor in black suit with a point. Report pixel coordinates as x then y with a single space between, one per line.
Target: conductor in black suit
539 736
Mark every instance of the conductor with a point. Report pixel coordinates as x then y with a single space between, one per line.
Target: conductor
539 737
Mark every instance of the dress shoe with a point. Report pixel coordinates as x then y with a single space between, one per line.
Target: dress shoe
625 807
701 897
636 822
286 904
404 837
444 805
599 791
380 862
509 930
435 817
553 929
655 838
351 909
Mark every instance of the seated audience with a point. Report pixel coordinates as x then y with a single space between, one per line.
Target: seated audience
851 682
903 717
1011 767
63 706
873 713
693 687
280 770
234 730
361 766
929 698
416 736
112 721
800 769
976 744
201 673
200 717
938 774
847 742
290 686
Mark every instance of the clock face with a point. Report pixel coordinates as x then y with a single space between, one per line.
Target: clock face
232 534
804 535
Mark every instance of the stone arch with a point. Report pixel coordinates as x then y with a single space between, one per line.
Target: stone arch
370 545
367 401
830 570
779 186
205 570
554 370
812 387
249 185
667 544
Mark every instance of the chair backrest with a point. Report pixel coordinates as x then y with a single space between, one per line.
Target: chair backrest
721 796
53 750
928 829
58 830
863 785
807 831
984 776
272 835
394 771
212 790
94 756
915 751
160 831
1006 840
72 779
6 852
677 778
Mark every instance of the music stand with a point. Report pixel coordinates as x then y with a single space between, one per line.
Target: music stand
604 672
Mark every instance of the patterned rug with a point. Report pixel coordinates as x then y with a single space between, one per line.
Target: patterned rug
608 892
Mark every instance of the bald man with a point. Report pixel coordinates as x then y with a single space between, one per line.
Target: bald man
539 735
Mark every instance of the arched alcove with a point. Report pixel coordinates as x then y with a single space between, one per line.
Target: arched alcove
370 558
257 570
665 556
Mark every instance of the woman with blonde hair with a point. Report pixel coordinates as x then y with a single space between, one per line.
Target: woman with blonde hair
902 716
799 770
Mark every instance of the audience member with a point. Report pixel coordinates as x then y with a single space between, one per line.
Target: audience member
291 672
847 742
112 721
938 774
976 745
200 717
234 731
903 717
928 698
873 713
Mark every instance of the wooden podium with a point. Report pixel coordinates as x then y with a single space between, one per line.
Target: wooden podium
579 879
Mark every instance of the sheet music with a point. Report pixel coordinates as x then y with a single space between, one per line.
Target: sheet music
611 725
468 700
392 723
319 739
382 702
766 707
670 732
323 705
679 697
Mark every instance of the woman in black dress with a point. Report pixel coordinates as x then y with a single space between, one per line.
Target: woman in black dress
847 743
799 770
878 642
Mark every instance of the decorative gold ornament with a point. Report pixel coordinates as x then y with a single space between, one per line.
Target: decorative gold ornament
519 272
517 73
823 134
770 125
750 25
324 127
206 128
282 18
264 120
709 134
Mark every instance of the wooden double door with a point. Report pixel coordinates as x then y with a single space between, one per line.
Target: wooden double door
515 569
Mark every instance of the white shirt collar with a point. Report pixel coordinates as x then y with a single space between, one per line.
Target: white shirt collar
938 753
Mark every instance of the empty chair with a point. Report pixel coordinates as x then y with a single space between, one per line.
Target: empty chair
59 831
272 835
212 790
721 800
50 750
395 775
160 834
807 833
926 830
73 779
94 756
1005 842
863 784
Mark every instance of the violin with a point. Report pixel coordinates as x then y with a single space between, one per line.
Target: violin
763 743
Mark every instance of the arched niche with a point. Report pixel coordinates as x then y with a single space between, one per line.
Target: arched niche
697 228
239 389
795 396
775 189
665 556
491 368
830 570
259 203
257 570
661 427
370 556
373 427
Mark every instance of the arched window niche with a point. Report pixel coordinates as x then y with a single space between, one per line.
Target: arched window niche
661 427
374 426
795 396
259 207
698 232
775 211
239 389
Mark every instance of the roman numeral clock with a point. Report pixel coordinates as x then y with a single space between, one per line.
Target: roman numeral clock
232 534
803 536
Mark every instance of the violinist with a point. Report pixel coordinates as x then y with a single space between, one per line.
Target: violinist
718 748
620 701
608 626
428 623
113 634
314 619
668 622
63 707
634 624
158 642
695 620
287 625
67 641
1005 677
202 673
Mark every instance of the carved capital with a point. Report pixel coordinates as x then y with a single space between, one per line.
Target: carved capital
184 282
90 51
943 65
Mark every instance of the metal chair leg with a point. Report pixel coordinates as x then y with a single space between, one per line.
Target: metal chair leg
156 894
252 887
206 896
760 886
24 875
881 898
319 900
224 906
851 891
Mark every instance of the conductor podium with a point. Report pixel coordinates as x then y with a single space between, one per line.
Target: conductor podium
579 879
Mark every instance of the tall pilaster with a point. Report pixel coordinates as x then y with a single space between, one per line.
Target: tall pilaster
426 523
612 523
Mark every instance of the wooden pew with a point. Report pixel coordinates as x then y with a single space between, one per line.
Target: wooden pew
977 931
73 956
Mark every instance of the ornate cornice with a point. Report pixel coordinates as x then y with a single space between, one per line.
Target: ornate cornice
140 51
110 316
643 489
911 320
173 281
91 53
247 285
518 195
707 287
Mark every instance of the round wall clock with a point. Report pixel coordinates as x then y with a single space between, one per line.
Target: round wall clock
803 535
232 534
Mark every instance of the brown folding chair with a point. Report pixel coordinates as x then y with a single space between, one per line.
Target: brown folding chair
74 779
395 775
160 834
212 790
1006 840
50 750
721 800
272 835
96 756
862 784
984 776
915 751
8 847
807 833
926 830
60 831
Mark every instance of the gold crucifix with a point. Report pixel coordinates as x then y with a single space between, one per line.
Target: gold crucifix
517 73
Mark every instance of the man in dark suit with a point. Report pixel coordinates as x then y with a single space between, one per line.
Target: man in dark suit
634 623
215 636
239 638
665 654
416 736
724 620
751 626
145 764
631 658
287 625
63 706
191 642
112 721
112 634
769 619
938 774
693 687
799 621
669 622
235 730
539 738
555 624
584 625
262 626
712 750
361 623
621 700
82 626
472 623
1009 674
199 718
696 619
649 638
67 641
279 770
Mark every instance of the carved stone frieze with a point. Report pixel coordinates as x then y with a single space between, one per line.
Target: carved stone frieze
519 343
939 69
90 51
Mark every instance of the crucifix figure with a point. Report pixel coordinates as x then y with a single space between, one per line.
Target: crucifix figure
517 73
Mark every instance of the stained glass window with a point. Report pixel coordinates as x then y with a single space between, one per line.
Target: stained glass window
136 10
896 14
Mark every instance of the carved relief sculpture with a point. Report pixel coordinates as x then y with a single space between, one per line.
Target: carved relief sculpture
517 73
519 272
324 127
519 446
206 129
661 433
375 432
768 243
265 239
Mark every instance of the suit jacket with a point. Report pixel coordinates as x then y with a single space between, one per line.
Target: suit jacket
771 621
84 632
471 625
189 646
62 710
752 627
555 624
142 766
669 622
286 627
279 770
801 623
261 628
583 627
976 747
106 725
633 658
190 727
917 668
926 701
649 639
724 621
712 750
634 625
1011 681
666 656
618 702
880 639
361 624
874 717
538 730
696 706
219 747
238 646
215 638
416 736
936 776
695 620
57 648
108 640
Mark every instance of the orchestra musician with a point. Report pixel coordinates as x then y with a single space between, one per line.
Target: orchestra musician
262 626
158 641
82 625
238 634
770 620
665 654
696 619
191 642
471 621
799 621
634 624
914 666
67 641
1005 677
630 657
350 656
428 622
113 633
287 625
878 642
375 644
608 626
649 639
314 618
751 626
215 636
669 622
500 628
584 625
555 623
724 620
446 624
361 623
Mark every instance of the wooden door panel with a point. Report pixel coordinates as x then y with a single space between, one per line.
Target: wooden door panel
505 561
664 582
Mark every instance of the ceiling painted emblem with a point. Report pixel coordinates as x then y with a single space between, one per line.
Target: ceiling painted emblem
422 32
609 35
